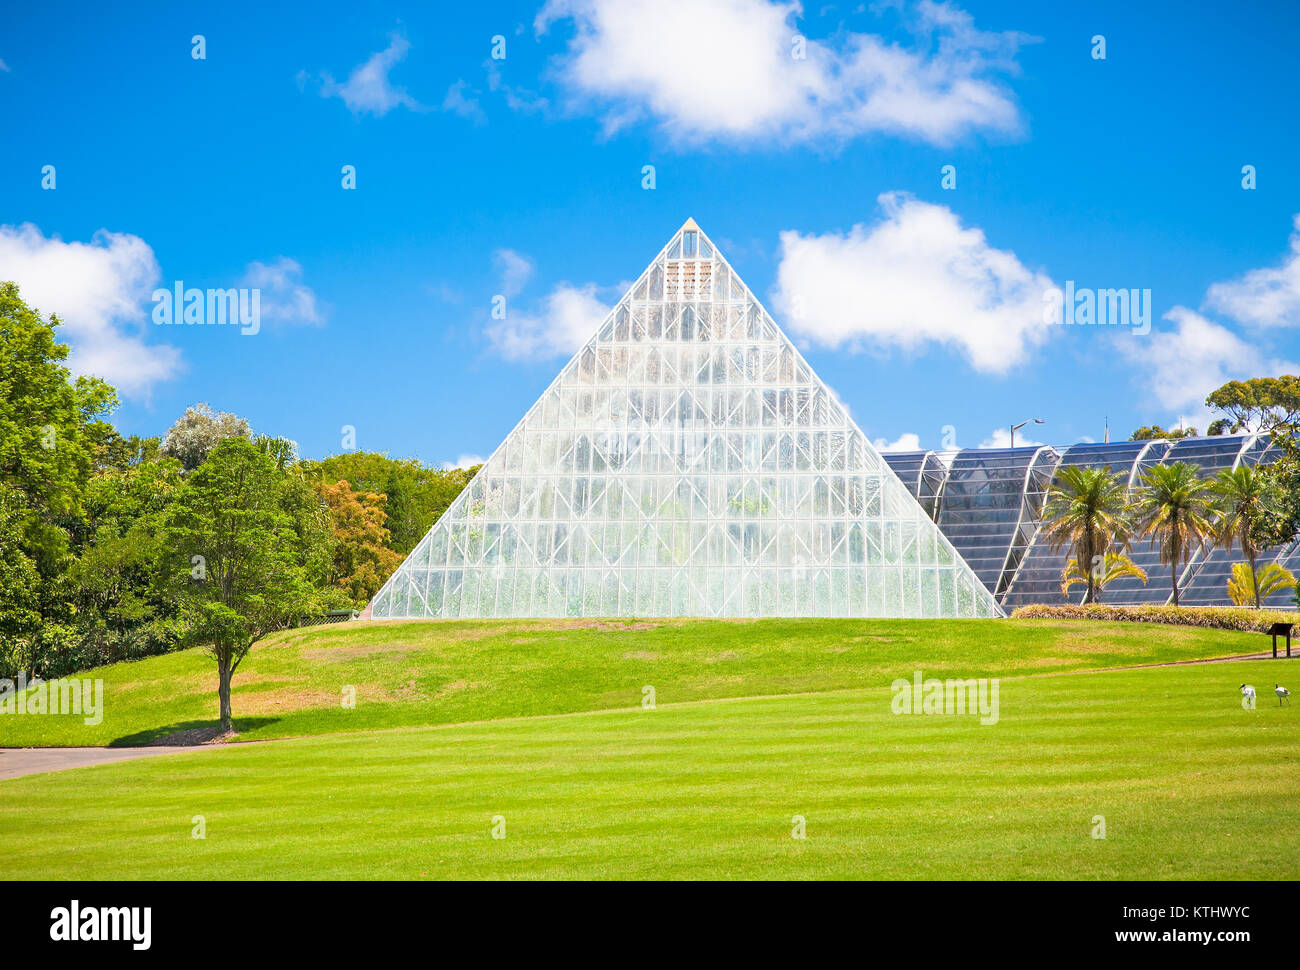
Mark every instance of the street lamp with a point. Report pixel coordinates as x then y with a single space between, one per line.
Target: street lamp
1017 427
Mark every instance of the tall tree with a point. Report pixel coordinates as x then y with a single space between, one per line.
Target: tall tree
246 547
198 431
1087 510
361 561
1174 508
50 429
1240 495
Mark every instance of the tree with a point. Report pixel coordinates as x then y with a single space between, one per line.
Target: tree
245 548
1249 584
1271 406
1240 495
1087 510
1174 508
50 429
1113 566
361 562
198 431
1155 432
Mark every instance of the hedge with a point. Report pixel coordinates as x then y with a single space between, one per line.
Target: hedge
1217 617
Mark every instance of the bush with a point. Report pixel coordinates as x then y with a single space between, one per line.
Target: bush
1215 617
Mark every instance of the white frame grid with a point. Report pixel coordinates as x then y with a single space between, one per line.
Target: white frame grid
685 462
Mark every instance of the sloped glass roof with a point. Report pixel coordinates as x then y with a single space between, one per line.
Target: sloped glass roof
686 462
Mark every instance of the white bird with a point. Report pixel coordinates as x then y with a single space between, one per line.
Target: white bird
1282 694
1248 692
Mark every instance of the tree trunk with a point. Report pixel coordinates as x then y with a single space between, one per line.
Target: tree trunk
1173 580
1254 578
223 691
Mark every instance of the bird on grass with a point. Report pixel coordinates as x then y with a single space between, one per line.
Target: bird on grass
1248 692
1282 694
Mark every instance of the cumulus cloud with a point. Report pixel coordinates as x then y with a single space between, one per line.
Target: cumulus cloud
101 291
907 441
741 71
1268 297
368 89
1184 363
568 317
284 297
464 461
915 279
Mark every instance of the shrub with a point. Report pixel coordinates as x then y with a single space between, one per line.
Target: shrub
1248 620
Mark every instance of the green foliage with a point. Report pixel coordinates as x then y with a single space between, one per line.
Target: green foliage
1249 585
243 547
1086 510
50 431
1154 432
415 496
1114 565
1175 507
1211 617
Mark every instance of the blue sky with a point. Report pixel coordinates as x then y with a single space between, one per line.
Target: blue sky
819 176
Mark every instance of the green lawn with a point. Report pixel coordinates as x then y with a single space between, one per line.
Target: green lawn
413 674
1191 786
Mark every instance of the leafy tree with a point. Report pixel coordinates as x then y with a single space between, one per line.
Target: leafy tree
50 429
1113 566
361 561
1086 509
1241 494
1271 406
1154 432
1174 508
415 495
244 548
1249 584
198 431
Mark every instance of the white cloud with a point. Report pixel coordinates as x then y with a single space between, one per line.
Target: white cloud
569 316
284 298
915 279
368 89
907 441
4 67
566 319
461 100
1001 438
1180 366
464 461
728 70
100 290
1267 297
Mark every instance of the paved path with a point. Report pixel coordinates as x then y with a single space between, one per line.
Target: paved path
16 762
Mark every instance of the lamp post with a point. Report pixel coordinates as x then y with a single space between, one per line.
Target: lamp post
1017 427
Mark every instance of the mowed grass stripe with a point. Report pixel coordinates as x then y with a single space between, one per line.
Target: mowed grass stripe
408 674
1191 786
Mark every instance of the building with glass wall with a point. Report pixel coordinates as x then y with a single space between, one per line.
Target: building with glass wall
688 462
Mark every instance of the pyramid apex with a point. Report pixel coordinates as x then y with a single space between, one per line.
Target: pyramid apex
689 224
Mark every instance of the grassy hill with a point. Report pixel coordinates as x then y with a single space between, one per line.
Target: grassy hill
424 673
1190 785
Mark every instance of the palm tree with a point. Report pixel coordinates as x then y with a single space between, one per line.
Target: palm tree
1113 566
1086 509
1174 508
1240 499
1247 583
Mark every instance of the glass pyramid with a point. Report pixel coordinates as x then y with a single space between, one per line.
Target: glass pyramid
686 462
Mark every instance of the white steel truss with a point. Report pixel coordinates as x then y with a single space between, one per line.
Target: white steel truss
686 462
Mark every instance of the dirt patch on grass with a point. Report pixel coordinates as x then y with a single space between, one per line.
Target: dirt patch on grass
640 655
193 737
722 657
